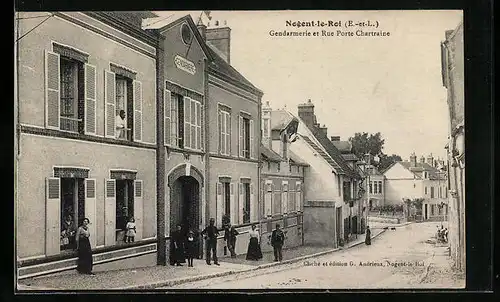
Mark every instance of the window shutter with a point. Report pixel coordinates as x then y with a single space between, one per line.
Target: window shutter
90 208
52 90
241 202
52 216
138 208
198 126
137 88
110 212
187 124
90 99
228 134
193 124
240 145
219 207
234 206
298 199
268 195
252 208
110 103
174 129
202 126
221 135
251 139
284 198
167 101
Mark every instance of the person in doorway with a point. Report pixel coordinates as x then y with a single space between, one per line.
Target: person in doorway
130 230
121 125
210 234
190 248
277 241
230 239
84 248
254 252
178 240
368 238
68 231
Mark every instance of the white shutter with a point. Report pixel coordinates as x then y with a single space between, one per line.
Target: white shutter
174 129
202 125
284 198
90 208
268 195
137 89
298 198
110 212
109 103
241 203
251 139
253 206
52 216
138 208
240 145
233 205
187 124
198 126
221 132
90 99
219 206
167 102
228 133
52 90
193 124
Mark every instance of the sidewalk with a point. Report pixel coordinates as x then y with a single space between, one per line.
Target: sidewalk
440 272
153 276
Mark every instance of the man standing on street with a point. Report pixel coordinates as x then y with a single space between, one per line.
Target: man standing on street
210 234
277 241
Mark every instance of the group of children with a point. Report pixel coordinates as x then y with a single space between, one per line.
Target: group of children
442 234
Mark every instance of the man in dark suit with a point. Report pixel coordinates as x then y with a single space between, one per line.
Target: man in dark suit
277 241
210 234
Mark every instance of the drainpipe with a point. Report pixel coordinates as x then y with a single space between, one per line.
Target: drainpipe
161 245
208 184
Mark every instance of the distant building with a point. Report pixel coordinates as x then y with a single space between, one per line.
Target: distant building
452 50
418 179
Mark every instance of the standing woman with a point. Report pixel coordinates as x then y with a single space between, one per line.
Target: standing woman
84 249
254 252
368 238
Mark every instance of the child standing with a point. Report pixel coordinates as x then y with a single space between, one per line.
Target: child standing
190 248
130 232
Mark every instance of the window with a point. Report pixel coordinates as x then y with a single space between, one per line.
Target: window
269 166
246 204
227 200
224 132
445 193
278 166
291 199
183 119
124 101
284 198
72 210
246 137
375 187
347 191
124 206
432 192
425 190
71 95
268 199
371 185
277 200
380 185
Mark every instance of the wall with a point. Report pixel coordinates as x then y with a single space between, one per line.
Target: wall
101 52
41 153
397 189
319 223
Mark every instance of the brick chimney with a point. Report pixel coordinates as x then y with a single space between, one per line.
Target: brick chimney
219 36
335 138
413 160
324 130
266 125
422 160
430 160
306 114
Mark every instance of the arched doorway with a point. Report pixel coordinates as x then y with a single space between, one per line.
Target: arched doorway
185 184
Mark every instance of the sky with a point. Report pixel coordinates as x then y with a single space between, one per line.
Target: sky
388 84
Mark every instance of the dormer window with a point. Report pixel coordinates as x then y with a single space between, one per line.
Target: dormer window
186 34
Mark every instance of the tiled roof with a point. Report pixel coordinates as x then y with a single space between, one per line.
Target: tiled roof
323 154
280 119
350 157
219 66
297 160
421 167
269 154
343 146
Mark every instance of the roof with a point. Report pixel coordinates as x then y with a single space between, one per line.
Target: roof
421 167
343 146
220 67
280 119
269 154
350 157
296 159
323 154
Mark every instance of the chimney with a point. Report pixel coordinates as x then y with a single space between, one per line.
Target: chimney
306 114
335 138
324 130
413 160
422 160
219 37
430 160
266 125
202 28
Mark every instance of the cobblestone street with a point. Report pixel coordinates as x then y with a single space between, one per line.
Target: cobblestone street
396 259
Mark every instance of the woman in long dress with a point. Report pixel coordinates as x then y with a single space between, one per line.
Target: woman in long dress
84 249
368 238
254 252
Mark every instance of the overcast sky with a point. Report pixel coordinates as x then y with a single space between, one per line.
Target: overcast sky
389 84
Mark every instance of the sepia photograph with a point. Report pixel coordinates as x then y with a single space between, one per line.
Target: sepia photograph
239 150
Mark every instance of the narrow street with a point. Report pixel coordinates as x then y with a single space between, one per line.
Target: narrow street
384 264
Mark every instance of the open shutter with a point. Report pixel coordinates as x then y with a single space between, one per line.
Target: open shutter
167 102
52 90
240 129
110 212
202 126
138 208
110 103
52 216
241 202
233 205
221 134
137 88
268 195
251 147
90 208
187 124
298 198
198 126
174 128
284 198
253 206
228 134
90 99
219 206
193 124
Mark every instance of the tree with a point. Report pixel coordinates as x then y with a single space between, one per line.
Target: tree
364 143
386 161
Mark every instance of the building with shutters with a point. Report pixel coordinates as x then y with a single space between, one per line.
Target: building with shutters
77 71
282 179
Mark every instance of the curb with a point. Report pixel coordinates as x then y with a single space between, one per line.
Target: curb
424 275
173 282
